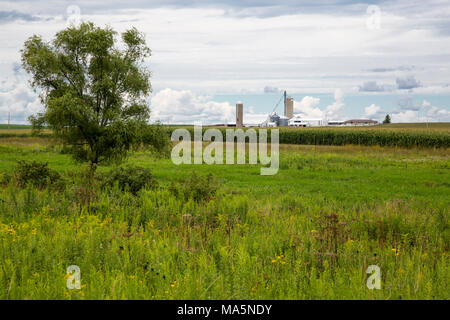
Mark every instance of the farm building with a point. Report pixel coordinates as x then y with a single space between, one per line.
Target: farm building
298 121
360 122
289 119
335 123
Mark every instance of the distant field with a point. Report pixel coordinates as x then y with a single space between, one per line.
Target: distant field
14 126
437 135
436 125
433 125
408 137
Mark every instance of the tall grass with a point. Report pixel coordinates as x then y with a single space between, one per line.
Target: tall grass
309 232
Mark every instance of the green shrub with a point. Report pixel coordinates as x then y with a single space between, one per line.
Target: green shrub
35 173
197 188
5 179
129 178
157 137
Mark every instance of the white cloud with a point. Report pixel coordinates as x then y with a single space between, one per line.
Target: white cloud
405 116
334 111
427 113
236 47
18 99
172 106
372 111
433 113
321 46
407 103
184 107
373 86
426 104
270 89
308 108
407 82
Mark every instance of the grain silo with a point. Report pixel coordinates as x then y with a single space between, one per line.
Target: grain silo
283 121
239 114
289 108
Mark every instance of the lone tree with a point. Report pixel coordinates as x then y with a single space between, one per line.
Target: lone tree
92 89
387 119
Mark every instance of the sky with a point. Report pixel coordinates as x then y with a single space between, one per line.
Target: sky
339 59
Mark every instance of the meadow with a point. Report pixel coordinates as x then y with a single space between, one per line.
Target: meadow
226 232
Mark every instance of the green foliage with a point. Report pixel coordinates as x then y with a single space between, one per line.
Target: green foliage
129 178
309 232
93 91
157 136
37 174
198 188
387 119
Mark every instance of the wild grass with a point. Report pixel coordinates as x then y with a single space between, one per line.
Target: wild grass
309 232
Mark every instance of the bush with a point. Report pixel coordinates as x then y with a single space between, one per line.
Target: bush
197 188
5 179
157 137
129 178
35 173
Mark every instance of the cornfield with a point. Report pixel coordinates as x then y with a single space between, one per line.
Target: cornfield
407 138
366 137
393 137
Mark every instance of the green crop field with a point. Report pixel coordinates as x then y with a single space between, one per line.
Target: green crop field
308 232
14 126
437 137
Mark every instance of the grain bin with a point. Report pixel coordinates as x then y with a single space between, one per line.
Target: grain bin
239 114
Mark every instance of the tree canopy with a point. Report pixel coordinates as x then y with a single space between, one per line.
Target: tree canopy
93 89
387 119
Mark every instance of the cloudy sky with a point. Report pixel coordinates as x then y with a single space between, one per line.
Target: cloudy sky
339 59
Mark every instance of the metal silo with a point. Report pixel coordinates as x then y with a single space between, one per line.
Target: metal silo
239 114
289 108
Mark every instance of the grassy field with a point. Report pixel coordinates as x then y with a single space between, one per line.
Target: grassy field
421 125
14 126
408 137
309 232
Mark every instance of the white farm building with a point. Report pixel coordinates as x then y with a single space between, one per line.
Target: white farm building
298 121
